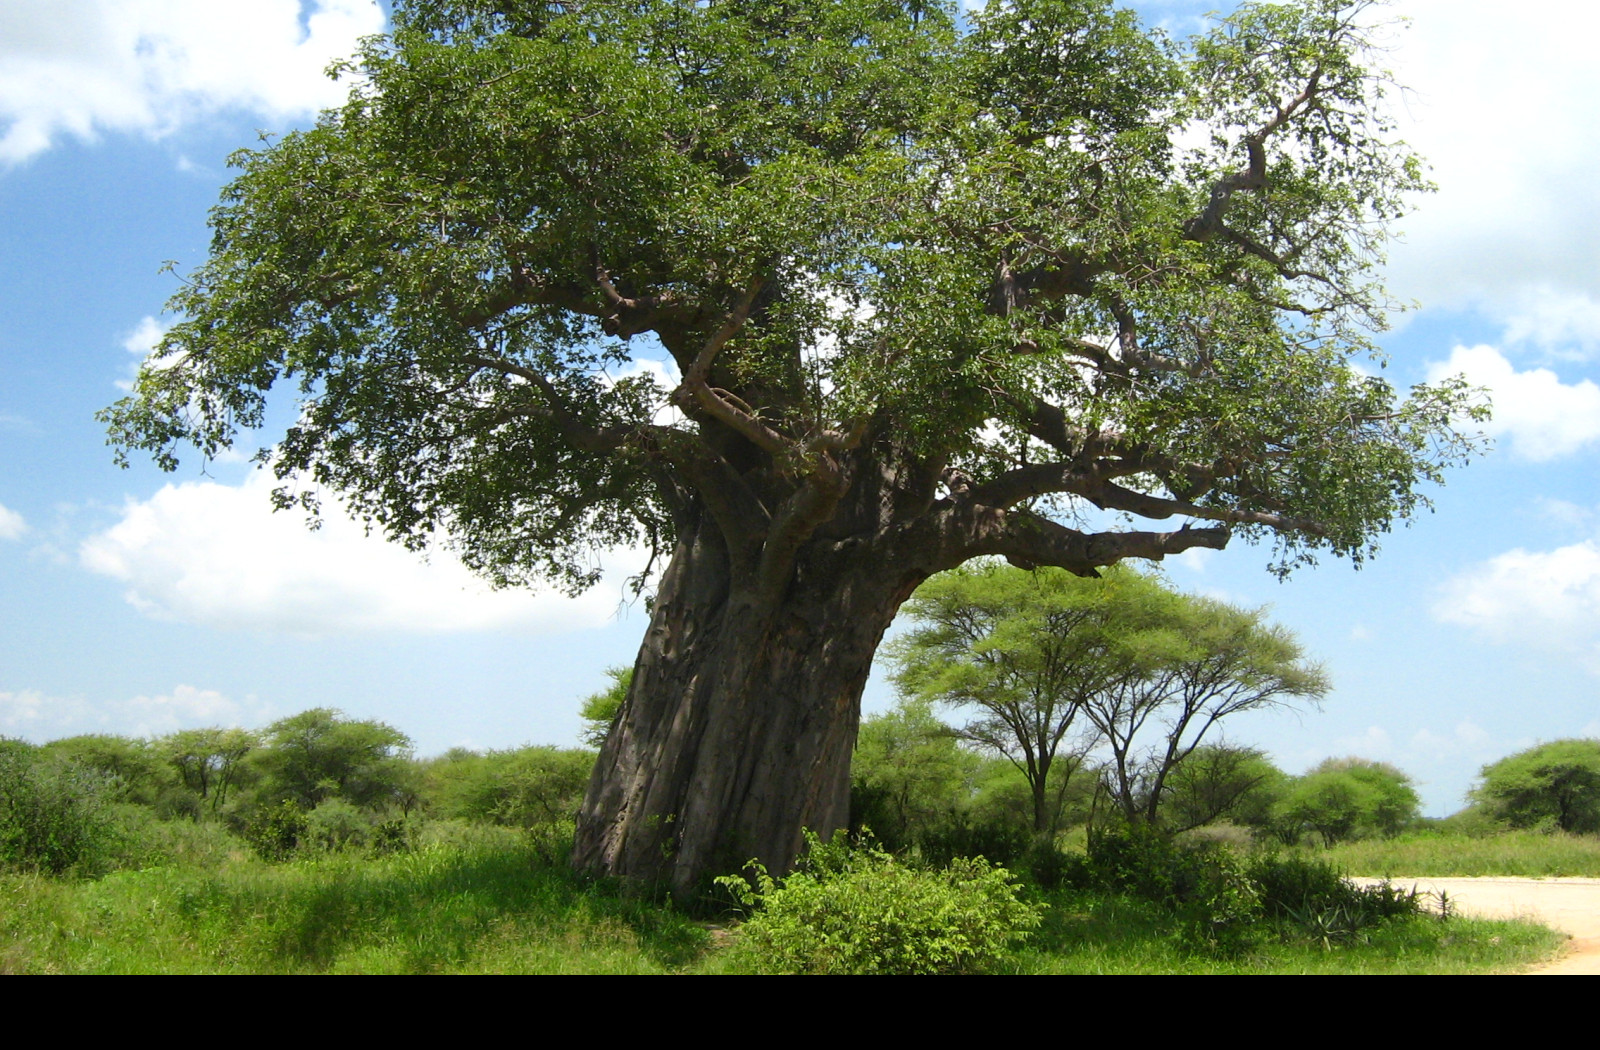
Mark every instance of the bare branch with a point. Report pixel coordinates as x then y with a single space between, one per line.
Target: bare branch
1028 540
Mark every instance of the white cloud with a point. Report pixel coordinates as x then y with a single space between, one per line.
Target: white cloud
80 67
213 554
32 714
1548 600
25 713
1502 106
1542 416
11 524
1553 319
1467 737
144 337
1564 512
186 707
1375 743
140 342
1195 559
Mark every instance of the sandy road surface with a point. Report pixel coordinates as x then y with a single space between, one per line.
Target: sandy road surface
1569 905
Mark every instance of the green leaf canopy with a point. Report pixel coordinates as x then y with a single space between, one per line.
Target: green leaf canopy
826 269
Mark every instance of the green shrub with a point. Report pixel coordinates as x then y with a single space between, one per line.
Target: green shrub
337 825
55 815
133 769
942 844
1203 883
1473 822
276 832
1322 905
860 911
529 787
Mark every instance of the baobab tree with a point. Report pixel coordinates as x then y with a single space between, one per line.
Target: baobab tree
815 299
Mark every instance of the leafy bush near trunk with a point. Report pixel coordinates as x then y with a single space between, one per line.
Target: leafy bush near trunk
860 911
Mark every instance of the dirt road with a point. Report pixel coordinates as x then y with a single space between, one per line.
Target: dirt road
1569 905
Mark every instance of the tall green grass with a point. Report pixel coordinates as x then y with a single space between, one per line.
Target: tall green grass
439 910
511 909
1524 853
509 906
1116 935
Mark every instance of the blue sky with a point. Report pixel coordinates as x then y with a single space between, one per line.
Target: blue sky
136 602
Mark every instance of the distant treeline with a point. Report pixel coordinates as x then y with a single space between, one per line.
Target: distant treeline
315 781
321 781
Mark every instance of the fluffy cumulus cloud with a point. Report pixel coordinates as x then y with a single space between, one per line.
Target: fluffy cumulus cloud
214 554
186 707
1501 106
139 342
1547 600
144 337
79 67
1539 416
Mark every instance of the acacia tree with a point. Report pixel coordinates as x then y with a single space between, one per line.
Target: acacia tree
909 773
1188 664
919 287
1143 672
209 760
1222 782
1344 798
1027 651
318 755
1551 784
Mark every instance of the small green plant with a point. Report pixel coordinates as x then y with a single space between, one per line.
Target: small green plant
860 911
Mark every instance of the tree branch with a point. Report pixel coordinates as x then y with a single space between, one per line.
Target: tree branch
968 530
1027 541
1253 176
1025 483
556 408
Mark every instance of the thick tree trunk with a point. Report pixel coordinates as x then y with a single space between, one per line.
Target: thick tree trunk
738 730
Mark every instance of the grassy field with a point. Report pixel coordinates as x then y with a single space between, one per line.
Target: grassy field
463 909
1525 853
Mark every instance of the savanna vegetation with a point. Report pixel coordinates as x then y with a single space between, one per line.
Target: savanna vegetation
321 844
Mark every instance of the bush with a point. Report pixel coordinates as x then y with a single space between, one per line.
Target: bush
530 787
860 911
275 833
54 816
1324 906
942 844
337 825
1203 883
